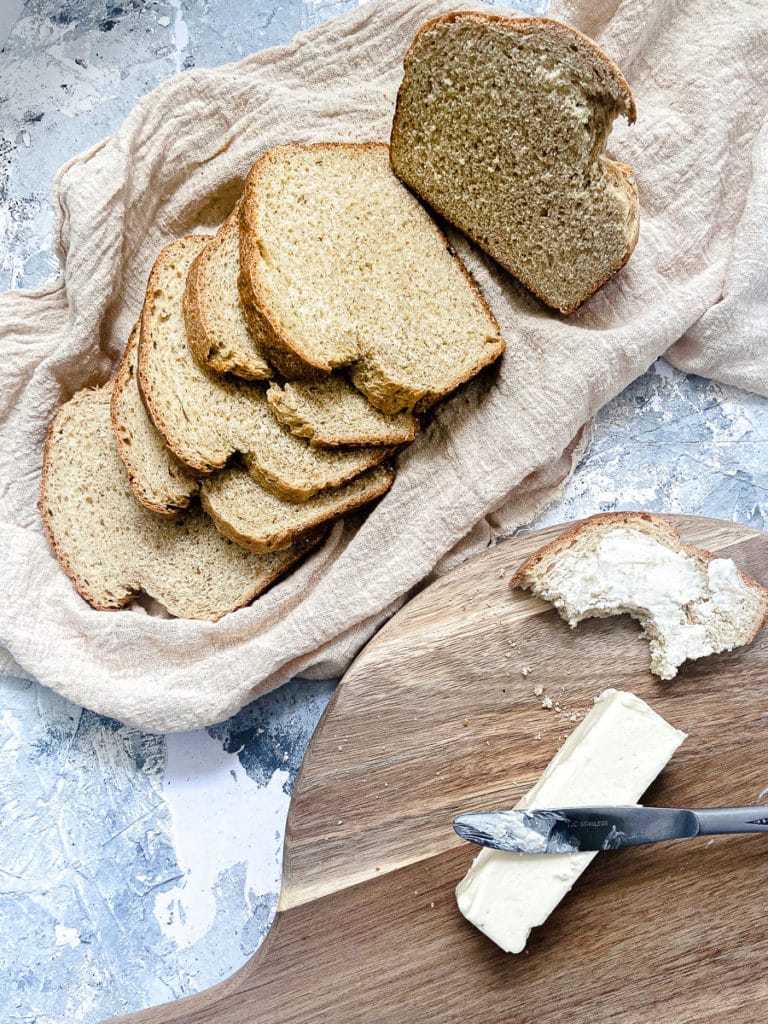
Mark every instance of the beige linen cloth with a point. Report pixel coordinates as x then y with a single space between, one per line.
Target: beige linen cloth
493 455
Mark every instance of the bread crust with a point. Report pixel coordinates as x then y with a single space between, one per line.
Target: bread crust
650 523
524 25
296 364
124 448
203 345
145 340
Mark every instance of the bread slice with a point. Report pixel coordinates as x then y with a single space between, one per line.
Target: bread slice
344 267
501 126
205 420
331 414
242 509
160 482
689 602
217 328
261 521
112 547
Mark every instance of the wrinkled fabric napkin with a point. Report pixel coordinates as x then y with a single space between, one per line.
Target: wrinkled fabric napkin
493 455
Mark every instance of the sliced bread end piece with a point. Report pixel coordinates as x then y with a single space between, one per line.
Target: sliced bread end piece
260 521
217 328
160 482
112 547
689 602
501 126
333 414
345 267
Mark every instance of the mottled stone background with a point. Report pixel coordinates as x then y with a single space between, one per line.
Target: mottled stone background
135 869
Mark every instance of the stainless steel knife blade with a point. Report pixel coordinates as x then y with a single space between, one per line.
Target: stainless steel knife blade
586 829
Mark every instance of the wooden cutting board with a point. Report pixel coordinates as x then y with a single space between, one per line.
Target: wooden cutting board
438 715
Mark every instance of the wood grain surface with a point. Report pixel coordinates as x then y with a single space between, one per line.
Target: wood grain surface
438 715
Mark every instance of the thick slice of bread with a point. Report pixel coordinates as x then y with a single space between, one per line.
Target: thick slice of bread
260 521
217 328
243 510
332 414
204 420
501 125
159 481
342 266
112 547
689 602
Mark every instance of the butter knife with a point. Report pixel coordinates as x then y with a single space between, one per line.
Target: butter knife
583 829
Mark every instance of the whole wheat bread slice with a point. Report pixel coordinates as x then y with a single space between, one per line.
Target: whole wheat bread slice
332 414
217 328
112 547
242 509
689 602
160 482
342 266
205 420
260 521
501 126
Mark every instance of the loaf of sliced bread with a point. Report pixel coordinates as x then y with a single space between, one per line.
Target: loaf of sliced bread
205 420
501 126
342 266
260 521
333 414
217 328
689 602
160 482
112 547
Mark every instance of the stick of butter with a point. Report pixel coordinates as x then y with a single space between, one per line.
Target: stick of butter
611 758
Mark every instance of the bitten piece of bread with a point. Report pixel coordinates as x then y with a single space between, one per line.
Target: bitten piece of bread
689 602
206 420
501 126
333 414
112 547
216 324
342 266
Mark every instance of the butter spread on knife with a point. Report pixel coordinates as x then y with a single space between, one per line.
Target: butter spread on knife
611 758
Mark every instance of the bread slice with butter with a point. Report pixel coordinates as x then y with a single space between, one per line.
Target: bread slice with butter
501 126
204 420
690 602
343 267
112 547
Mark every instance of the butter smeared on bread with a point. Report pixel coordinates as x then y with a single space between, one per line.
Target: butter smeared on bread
689 602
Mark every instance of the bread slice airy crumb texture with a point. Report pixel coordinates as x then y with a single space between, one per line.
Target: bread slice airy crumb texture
501 126
346 269
206 420
332 414
690 602
160 482
261 521
217 328
112 547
